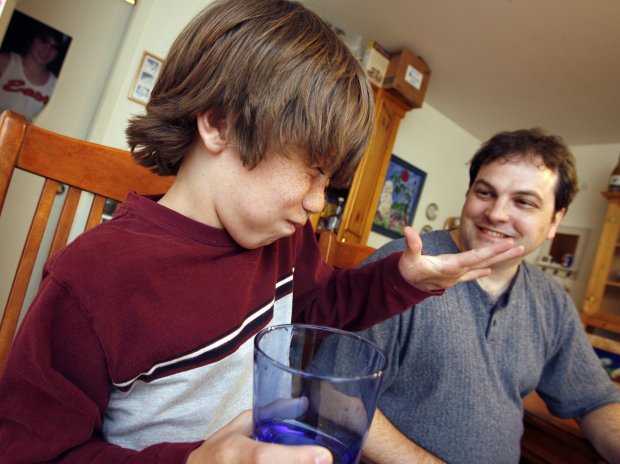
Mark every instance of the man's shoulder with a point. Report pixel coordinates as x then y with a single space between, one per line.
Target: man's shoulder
433 243
533 275
539 285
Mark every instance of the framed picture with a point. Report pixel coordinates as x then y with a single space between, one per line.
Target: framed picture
145 78
399 198
44 48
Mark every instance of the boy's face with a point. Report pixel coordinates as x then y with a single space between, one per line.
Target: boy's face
511 199
258 206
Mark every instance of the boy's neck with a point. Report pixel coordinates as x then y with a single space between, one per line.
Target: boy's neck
189 193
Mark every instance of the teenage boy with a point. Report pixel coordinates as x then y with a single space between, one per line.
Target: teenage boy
139 343
461 363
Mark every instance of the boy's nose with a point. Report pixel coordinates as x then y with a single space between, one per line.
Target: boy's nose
314 202
315 198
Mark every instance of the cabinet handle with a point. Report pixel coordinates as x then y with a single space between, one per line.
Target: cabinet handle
591 299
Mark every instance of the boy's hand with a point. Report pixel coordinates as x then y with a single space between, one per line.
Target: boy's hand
232 444
442 271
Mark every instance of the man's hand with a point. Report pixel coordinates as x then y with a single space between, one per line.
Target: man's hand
442 271
232 444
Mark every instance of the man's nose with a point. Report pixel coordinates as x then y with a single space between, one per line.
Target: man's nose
498 211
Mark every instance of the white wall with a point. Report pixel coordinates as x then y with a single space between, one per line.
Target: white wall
153 28
97 28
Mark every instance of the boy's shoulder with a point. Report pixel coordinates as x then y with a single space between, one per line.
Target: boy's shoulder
91 248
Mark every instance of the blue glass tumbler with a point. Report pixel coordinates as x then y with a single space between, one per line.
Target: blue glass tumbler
316 385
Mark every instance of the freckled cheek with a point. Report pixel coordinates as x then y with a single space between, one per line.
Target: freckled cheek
297 190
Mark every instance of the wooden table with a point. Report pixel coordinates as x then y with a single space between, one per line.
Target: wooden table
548 439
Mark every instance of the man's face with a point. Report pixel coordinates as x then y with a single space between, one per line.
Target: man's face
511 199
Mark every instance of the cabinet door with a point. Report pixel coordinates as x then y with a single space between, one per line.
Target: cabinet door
601 306
359 211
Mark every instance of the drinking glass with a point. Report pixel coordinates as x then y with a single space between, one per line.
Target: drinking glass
315 385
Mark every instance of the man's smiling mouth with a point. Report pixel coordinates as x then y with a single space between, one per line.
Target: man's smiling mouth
493 233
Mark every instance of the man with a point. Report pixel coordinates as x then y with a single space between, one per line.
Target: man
461 363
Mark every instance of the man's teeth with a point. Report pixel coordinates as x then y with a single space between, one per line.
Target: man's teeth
493 233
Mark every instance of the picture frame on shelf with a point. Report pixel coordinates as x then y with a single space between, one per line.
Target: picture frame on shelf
399 198
145 78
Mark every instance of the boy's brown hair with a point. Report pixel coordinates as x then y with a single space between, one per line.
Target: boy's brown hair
273 75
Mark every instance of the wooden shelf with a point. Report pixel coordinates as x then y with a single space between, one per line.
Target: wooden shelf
607 322
601 304
605 343
613 196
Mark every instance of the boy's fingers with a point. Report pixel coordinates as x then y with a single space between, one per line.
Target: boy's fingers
267 453
489 255
414 242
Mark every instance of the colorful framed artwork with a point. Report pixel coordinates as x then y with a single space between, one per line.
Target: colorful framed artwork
399 199
145 78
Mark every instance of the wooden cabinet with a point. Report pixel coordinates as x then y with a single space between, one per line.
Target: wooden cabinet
363 194
601 305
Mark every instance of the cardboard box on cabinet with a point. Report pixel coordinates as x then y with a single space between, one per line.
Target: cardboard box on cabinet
408 76
375 62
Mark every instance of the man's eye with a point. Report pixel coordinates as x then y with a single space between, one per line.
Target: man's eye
483 193
525 203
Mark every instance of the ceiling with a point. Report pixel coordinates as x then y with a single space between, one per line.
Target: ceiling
505 64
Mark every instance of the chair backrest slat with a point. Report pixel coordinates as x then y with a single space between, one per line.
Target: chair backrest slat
95 212
24 269
65 222
103 171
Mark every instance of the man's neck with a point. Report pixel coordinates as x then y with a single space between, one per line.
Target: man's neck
496 283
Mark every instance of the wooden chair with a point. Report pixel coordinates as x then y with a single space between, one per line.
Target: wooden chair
82 166
342 255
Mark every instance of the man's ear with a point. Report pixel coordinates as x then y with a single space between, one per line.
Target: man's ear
211 131
555 223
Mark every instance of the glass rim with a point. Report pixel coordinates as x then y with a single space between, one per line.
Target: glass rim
334 379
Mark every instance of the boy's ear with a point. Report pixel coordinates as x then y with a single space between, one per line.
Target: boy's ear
211 132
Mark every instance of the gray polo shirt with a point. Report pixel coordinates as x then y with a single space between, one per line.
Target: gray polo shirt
459 364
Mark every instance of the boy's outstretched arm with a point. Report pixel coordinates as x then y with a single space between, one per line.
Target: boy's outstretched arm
442 271
232 444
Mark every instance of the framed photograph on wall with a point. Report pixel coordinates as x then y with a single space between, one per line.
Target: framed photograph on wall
145 78
399 199
38 47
